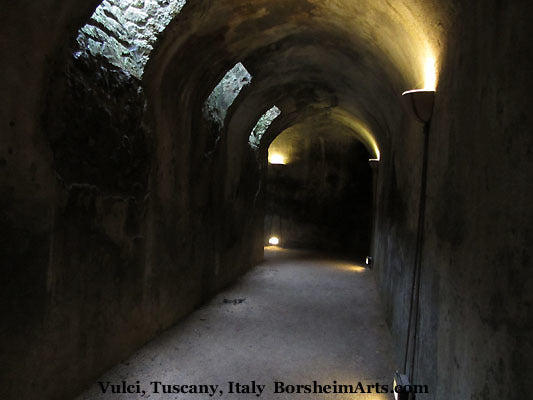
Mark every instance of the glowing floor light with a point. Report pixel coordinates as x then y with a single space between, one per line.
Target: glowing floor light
274 241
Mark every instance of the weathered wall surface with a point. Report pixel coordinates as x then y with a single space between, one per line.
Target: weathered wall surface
28 186
94 124
96 258
322 198
478 235
397 200
476 333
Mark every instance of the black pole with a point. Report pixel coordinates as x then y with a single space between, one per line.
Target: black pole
420 246
417 269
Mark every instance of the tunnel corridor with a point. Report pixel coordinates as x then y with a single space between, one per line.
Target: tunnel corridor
318 195
150 149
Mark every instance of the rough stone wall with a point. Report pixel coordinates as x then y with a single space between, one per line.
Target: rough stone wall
476 290
124 31
322 199
94 122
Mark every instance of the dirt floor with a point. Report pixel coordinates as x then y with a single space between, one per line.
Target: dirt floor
294 319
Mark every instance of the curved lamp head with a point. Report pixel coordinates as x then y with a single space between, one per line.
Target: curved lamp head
419 103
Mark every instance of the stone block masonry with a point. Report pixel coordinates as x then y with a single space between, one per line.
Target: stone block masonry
124 31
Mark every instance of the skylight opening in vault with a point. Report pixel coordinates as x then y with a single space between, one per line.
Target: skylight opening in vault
262 125
124 31
225 93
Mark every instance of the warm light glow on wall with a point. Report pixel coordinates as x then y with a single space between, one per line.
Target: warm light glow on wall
276 158
274 241
430 74
360 129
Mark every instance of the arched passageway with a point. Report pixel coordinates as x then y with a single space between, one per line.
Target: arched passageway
132 172
319 190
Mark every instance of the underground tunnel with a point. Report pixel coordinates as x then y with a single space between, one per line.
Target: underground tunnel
319 191
151 149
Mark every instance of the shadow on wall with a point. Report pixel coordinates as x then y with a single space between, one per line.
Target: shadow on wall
116 245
